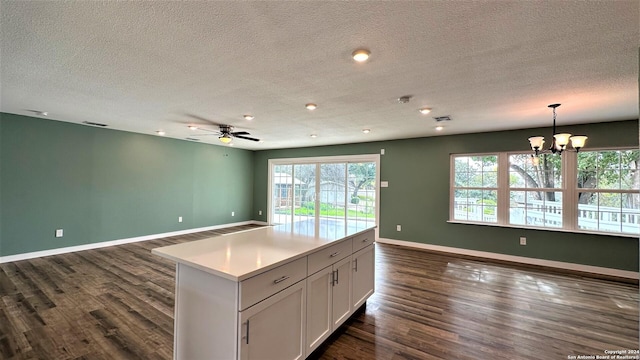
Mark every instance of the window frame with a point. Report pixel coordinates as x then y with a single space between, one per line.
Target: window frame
569 191
453 187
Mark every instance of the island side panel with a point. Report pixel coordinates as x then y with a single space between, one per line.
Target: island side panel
206 313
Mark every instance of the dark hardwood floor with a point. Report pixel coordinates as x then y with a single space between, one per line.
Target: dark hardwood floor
117 303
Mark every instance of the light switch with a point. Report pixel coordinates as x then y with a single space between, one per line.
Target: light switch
384 184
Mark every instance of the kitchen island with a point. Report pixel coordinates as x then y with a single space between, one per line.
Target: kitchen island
269 293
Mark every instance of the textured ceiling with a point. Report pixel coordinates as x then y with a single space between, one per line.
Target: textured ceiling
146 66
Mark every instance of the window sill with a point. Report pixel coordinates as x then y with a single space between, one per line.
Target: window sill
543 229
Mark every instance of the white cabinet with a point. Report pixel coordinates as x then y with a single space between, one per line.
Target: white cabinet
319 317
328 301
363 276
274 328
266 294
341 297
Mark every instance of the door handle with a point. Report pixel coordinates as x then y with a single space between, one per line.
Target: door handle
277 281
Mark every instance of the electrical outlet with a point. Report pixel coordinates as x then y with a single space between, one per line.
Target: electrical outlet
523 240
59 233
179 218
259 212
233 213
381 151
398 227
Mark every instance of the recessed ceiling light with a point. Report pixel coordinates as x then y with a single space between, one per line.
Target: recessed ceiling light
161 133
314 136
425 111
248 117
361 55
193 127
366 131
439 128
311 106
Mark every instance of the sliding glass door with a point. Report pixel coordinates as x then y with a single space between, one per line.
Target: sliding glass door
293 192
324 190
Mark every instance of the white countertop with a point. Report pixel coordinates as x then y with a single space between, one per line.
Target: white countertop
241 255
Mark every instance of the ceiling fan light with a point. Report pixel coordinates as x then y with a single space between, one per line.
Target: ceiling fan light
562 139
225 139
361 55
578 141
536 142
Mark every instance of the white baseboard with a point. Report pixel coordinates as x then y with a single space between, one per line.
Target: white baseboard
518 259
37 254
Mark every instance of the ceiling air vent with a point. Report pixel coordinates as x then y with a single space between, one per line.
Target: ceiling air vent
192 139
94 123
442 118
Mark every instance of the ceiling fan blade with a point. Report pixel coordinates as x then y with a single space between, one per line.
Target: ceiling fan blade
209 131
201 119
240 133
246 137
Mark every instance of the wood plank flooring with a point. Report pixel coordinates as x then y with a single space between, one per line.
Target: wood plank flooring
117 303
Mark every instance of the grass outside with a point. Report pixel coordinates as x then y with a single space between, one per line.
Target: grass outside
328 211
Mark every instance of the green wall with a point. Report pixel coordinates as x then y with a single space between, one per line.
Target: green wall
100 184
418 195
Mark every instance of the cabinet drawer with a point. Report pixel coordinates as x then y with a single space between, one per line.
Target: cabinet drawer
363 240
260 287
325 257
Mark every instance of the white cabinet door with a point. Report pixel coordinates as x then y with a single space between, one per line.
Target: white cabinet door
319 290
328 301
341 297
274 328
363 275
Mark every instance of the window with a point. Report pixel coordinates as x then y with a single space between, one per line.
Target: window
329 189
608 198
475 189
589 191
535 191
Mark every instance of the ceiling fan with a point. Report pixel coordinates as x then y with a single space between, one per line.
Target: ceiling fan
226 133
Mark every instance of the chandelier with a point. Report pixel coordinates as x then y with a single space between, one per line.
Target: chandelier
559 142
